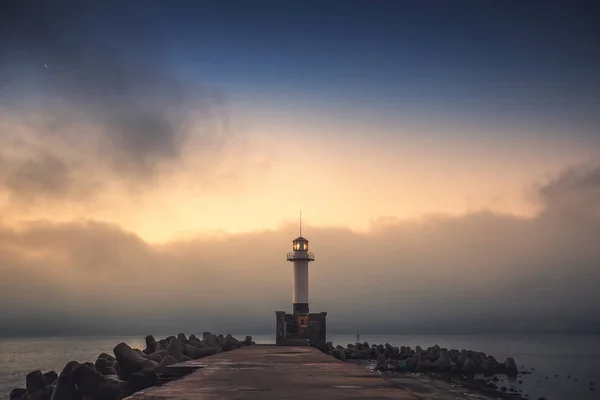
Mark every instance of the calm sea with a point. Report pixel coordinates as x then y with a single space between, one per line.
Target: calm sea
562 355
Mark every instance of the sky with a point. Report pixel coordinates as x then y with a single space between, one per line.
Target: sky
154 157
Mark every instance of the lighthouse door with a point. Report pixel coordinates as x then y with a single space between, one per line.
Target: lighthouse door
302 324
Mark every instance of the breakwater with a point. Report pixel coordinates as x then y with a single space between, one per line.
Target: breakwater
434 358
472 369
126 371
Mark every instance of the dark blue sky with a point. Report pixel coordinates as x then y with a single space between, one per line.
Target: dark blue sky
533 62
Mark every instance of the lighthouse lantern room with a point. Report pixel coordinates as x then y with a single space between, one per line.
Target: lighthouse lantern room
300 244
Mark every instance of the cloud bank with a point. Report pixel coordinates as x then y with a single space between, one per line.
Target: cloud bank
480 272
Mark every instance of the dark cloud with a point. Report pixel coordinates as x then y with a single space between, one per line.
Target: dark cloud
576 189
96 79
43 176
482 272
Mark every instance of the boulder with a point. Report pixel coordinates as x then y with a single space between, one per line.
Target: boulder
105 367
510 367
443 362
35 381
195 353
112 378
479 359
453 366
154 356
108 357
426 365
343 355
87 379
229 343
43 394
69 367
371 353
454 354
354 354
194 341
65 387
469 366
211 340
140 352
140 381
130 361
16 394
48 391
182 338
488 366
414 363
149 340
248 340
108 371
394 365
433 353
168 360
175 350
381 362
50 377
151 345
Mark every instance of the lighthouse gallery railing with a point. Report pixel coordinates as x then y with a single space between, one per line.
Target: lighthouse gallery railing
301 255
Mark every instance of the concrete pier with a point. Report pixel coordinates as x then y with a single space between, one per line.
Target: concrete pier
275 372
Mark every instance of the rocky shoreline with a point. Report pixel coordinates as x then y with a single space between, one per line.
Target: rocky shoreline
469 369
114 377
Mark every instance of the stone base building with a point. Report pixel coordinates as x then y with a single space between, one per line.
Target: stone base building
300 328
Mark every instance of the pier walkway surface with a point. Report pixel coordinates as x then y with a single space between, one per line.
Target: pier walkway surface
275 372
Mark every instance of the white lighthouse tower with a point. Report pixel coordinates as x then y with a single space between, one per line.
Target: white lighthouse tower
300 327
300 257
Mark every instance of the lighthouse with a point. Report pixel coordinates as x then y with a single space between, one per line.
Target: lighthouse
300 257
300 327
